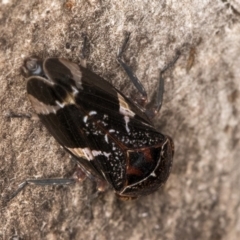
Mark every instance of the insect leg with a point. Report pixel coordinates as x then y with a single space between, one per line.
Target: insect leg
129 71
160 90
18 115
81 173
77 176
41 182
137 83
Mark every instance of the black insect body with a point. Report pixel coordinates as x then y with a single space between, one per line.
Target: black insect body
111 137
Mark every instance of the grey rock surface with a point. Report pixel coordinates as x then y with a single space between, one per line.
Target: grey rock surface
201 111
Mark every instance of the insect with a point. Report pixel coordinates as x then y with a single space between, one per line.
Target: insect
111 137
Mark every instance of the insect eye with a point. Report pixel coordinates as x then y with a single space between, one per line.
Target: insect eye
32 66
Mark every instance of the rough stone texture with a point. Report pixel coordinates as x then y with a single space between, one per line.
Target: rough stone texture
201 199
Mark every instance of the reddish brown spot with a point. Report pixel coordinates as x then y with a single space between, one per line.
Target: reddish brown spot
147 154
79 174
133 171
125 197
101 185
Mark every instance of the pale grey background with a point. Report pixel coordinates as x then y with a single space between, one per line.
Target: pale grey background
201 199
